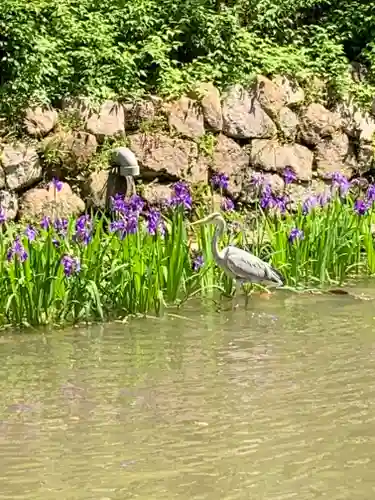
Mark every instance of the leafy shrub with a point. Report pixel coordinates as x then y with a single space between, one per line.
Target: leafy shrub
124 48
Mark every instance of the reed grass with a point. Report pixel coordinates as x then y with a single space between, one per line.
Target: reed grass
137 260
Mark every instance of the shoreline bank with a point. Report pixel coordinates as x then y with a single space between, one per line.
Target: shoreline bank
140 259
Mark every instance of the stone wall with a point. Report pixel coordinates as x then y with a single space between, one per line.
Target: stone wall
267 128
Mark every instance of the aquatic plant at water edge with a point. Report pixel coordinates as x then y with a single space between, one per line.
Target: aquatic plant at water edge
89 267
141 259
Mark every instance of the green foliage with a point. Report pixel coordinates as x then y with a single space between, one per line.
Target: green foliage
123 48
207 144
102 158
139 271
337 244
117 275
70 120
157 124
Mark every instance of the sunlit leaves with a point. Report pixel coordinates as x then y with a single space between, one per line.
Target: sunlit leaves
124 48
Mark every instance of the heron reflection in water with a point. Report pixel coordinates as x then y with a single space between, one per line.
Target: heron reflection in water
242 266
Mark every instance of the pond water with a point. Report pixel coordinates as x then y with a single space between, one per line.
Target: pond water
273 402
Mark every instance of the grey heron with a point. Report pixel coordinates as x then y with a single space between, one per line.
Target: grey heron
242 266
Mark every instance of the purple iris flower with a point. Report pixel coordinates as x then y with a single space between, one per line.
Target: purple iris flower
370 195
119 227
155 223
309 204
324 198
340 182
220 181
198 263
182 196
127 224
361 207
31 233
45 223
61 226
17 251
295 235
83 232
118 203
280 203
227 205
71 265
257 180
267 200
136 203
132 223
56 184
289 176
3 216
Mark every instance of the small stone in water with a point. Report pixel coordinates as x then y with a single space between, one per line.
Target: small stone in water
126 463
338 291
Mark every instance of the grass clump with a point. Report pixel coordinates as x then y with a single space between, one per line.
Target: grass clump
139 259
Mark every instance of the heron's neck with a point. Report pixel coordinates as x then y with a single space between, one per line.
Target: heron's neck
219 230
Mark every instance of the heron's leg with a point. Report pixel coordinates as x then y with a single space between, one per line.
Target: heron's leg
235 303
246 299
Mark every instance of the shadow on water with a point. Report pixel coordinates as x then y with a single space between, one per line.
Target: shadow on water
273 402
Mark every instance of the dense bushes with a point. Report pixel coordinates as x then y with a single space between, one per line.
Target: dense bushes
49 48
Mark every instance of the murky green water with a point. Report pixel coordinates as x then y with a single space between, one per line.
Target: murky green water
276 402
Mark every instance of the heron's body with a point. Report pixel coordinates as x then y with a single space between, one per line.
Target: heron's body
242 266
247 268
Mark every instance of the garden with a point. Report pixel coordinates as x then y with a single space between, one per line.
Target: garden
137 259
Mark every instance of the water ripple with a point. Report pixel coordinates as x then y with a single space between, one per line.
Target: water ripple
275 402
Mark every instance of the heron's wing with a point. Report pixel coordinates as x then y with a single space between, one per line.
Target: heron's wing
246 266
